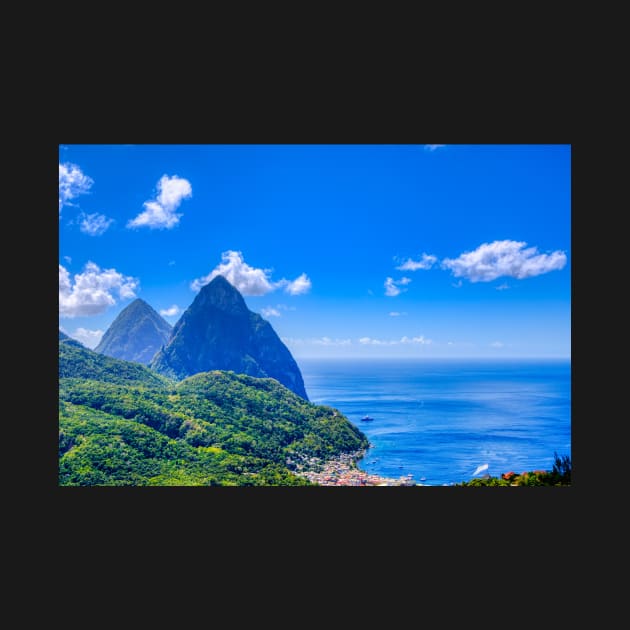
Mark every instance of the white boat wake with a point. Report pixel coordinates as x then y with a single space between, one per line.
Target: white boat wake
480 469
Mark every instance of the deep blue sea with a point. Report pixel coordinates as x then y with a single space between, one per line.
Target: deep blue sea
441 419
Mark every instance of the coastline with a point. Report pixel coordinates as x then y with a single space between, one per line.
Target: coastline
343 471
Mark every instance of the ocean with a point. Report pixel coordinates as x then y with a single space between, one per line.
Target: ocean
441 420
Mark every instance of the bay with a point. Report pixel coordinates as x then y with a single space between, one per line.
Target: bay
442 420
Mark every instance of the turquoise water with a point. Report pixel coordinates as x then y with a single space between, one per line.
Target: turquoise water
440 420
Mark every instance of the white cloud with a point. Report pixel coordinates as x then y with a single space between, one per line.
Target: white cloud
504 258
502 287
67 259
433 147
270 312
396 314
316 341
160 212
250 280
426 262
300 285
89 338
171 312
497 344
72 183
457 284
394 342
421 340
92 292
327 341
94 224
391 286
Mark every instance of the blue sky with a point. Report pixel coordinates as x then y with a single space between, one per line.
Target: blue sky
347 250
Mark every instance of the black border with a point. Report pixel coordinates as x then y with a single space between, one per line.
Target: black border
301 516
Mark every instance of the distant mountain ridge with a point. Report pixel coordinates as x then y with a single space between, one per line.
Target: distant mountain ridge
136 334
219 332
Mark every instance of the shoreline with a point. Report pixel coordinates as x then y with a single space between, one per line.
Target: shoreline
342 470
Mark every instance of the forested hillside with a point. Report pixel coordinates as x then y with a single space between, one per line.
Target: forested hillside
122 424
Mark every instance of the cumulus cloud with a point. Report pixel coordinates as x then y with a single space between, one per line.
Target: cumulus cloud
504 258
248 280
92 291
392 287
89 338
433 147
94 224
426 262
160 212
270 312
72 183
300 285
251 280
171 311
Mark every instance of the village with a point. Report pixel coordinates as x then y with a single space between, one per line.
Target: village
342 471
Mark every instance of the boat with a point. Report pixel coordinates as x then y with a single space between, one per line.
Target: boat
366 419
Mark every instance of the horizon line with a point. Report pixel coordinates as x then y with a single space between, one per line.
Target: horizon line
458 358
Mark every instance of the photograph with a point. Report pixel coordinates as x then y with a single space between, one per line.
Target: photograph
382 315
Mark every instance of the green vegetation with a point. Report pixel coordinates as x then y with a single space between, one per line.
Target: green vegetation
559 475
77 361
122 424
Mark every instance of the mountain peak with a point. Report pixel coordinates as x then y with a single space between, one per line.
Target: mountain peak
219 281
218 332
221 294
136 334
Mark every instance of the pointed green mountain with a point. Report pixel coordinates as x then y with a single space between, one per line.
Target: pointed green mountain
136 334
219 332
